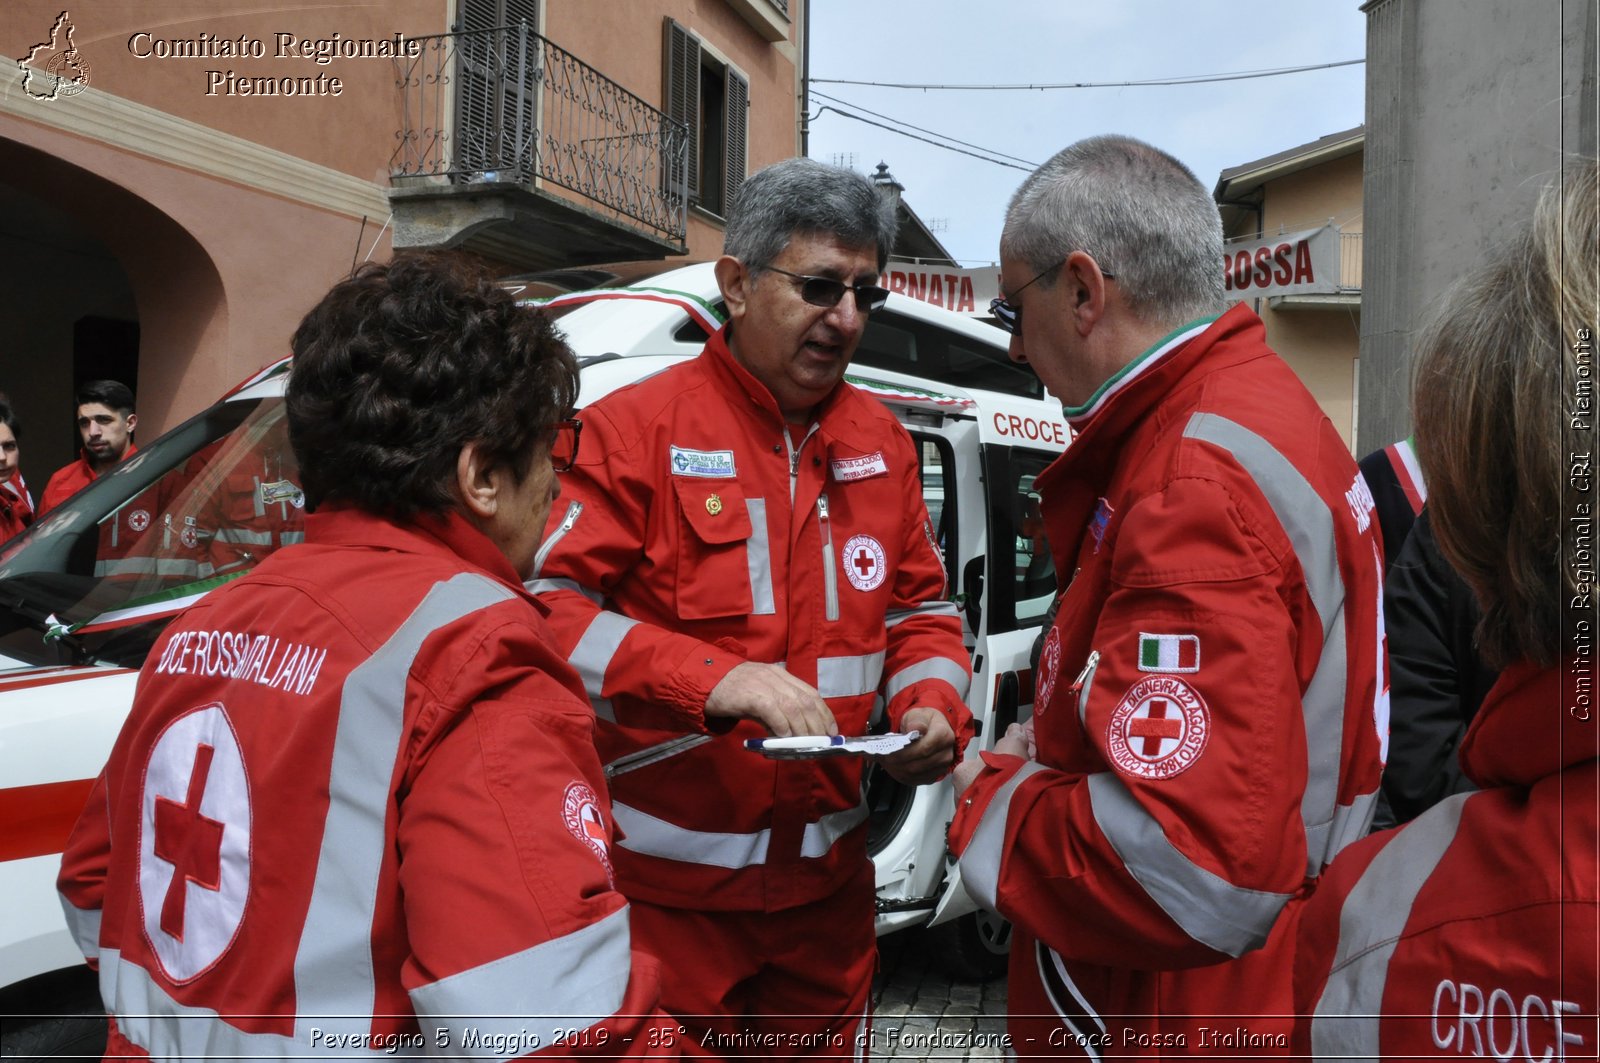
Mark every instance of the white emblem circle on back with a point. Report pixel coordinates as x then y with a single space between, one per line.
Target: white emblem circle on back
194 842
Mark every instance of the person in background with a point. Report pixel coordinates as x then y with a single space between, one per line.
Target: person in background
16 505
747 541
356 806
106 423
1475 929
1207 711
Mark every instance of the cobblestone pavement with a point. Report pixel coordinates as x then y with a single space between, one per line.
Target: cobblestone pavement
922 1013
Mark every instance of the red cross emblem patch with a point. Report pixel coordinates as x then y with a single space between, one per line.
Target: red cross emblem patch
194 842
1158 729
580 809
865 563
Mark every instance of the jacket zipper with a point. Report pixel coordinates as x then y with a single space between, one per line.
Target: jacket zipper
573 510
830 578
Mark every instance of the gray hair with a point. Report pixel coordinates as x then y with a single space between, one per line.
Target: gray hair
1139 212
806 196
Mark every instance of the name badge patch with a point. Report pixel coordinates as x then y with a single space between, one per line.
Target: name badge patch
716 464
868 465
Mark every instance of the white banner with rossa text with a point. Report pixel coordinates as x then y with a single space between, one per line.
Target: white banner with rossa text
1302 263
965 291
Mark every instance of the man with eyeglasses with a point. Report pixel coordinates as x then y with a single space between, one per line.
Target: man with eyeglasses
357 807
1208 709
746 551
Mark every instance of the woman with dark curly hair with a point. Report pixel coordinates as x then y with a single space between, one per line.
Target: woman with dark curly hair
357 803
1473 930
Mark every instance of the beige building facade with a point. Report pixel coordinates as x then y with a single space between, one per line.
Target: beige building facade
1304 188
181 183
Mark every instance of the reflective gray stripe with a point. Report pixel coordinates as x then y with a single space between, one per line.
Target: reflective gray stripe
900 616
594 651
546 586
574 510
151 1019
603 709
758 556
980 861
573 981
333 966
85 926
849 677
1375 912
654 754
652 836
820 836
1211 910
242 535
145 566
255 496
933 668
1308 522
1351 822
644 833
289 538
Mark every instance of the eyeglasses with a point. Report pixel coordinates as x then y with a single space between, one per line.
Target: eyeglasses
825 291
1008 315
564 443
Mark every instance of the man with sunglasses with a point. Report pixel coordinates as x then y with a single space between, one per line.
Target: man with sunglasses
746 551
1208 708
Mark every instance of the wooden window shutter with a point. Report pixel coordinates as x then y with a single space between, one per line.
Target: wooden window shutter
682 66
734 159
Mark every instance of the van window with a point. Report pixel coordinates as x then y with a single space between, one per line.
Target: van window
906 345
937 466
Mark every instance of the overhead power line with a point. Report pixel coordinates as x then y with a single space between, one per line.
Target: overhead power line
926 140
1193 79
998 155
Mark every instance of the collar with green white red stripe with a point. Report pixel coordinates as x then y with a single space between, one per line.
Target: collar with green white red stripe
1119 381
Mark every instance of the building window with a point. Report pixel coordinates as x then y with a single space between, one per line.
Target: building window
711 99
496 106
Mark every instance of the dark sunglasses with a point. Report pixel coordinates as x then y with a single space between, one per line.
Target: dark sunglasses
1008 315
564 443
825 291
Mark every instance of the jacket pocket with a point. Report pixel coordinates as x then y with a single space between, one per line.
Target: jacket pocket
713 577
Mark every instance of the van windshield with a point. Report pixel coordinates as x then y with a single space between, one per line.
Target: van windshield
96 579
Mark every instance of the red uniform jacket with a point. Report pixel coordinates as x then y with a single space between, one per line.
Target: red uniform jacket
700 535
357 806
70 479
1474 930
16 507
1208 715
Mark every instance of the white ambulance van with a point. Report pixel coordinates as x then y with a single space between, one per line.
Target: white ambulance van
86 591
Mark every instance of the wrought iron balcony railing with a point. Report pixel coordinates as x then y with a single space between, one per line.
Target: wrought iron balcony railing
507 105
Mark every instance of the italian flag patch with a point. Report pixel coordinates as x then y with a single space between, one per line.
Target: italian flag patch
1169 653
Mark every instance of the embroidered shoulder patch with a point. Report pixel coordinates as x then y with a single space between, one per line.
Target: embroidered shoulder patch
717 464
1169 653
1049 666
580 809
865 563
864 467
1158 729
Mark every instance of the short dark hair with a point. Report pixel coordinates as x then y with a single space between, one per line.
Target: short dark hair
401 365
112 394
803 196
8 417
